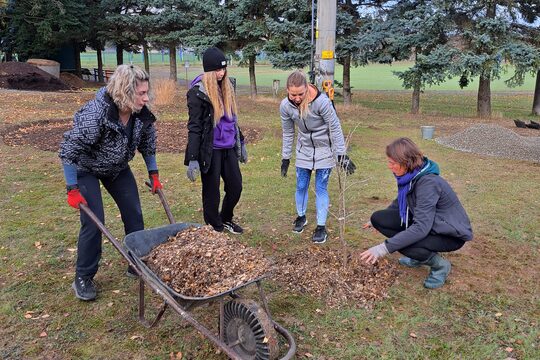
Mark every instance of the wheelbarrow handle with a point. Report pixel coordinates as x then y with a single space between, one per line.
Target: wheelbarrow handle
163 202
107 234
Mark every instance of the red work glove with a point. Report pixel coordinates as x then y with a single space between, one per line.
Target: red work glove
154 181
74 198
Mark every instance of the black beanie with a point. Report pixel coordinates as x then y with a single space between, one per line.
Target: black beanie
213 59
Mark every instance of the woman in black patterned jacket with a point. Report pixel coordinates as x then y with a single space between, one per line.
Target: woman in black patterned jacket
106 132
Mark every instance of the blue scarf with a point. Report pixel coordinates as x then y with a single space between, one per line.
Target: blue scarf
404 183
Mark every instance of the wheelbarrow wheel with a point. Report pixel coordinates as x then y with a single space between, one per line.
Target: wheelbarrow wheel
249 331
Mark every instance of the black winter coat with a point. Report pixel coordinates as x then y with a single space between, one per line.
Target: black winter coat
201 129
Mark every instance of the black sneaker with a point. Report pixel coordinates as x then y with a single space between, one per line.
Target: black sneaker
85 289
232 227
320 235
131 273
299 224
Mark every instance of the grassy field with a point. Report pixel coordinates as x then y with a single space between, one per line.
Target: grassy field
489 309
372 77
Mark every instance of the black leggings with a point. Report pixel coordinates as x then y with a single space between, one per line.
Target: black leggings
123 190
224 165
388 223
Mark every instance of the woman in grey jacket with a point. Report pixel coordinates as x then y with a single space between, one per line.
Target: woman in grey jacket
320 140
426 218
106 133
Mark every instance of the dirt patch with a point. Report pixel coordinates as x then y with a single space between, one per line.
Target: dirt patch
201 262
23 76
319 272
46 135
72 80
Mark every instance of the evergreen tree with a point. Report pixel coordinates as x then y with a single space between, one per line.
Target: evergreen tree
492 44
38 28
417 29
172 17
289 24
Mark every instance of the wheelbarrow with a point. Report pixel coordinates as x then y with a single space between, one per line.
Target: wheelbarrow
246 330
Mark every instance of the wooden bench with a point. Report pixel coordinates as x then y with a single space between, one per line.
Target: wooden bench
106 74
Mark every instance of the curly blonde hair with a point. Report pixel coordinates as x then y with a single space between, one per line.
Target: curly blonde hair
123 84
224 104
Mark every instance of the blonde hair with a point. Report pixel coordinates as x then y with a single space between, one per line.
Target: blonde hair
297 79
406 153
224 104
123 84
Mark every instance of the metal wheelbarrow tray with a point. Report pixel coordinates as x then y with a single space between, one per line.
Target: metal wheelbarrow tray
246 330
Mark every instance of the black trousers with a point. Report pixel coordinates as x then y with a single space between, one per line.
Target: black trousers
224 165
388 223
123 190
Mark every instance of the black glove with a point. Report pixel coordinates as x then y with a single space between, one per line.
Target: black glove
346 164
285 166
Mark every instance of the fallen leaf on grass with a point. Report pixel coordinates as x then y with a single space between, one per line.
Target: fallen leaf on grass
116 291
135 337
509 349
413 335
308 355
71 249
37 244
498 314
28 316
43 334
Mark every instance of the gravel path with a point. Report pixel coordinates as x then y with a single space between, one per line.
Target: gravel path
494 140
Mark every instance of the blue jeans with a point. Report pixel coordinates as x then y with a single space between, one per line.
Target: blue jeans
303 177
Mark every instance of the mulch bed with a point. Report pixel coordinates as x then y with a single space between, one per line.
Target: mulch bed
47 134
201 262
23 76
319 271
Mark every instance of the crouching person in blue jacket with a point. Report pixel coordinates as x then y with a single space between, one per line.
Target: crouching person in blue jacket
425 219
105 134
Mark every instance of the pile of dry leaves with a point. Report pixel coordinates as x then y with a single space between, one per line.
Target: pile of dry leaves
201 262
319 271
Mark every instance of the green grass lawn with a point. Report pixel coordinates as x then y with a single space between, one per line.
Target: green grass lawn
371 77
489 309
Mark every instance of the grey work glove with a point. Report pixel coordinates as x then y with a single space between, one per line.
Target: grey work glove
346 164
374 253
193 170
285 166
243 154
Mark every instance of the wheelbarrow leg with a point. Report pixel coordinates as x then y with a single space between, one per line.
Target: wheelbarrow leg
264 300
142 306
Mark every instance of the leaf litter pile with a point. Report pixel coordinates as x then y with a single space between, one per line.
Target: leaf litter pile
201 262
319 271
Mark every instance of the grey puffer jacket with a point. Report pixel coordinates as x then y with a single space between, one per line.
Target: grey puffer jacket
98 144
319 133
435 209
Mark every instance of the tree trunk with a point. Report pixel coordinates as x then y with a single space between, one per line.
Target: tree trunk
536 101
146 59
483 105
415 105
173 73
99 64
9 56
347 94
252 78
77 57
119 55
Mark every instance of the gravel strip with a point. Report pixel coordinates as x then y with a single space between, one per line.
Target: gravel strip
494 140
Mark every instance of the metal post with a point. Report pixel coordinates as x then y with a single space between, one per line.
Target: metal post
326 41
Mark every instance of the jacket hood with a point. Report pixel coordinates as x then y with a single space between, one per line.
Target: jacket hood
429 167
197 80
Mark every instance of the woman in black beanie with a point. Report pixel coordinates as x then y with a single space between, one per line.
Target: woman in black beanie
215 142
